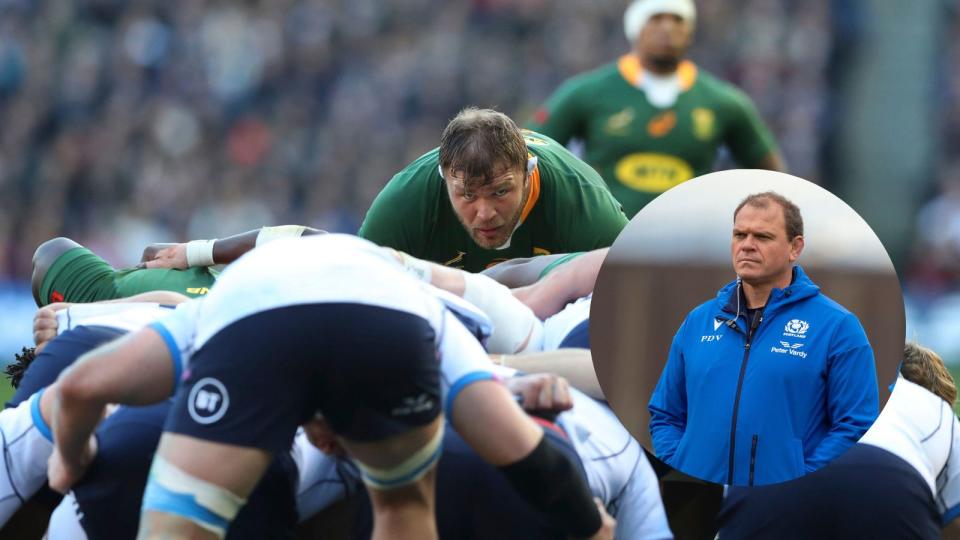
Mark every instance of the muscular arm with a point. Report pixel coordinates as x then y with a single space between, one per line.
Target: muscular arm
488 419
45 325
568 282
516 328
136 369
225 250
526 271
575 365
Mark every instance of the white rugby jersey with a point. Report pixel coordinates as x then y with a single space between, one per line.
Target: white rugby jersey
333 268
617 469
556 327
922 429
126 316
618 472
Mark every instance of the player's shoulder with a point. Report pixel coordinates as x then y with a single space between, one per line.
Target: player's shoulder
720 89
588 85
420 173
557 165
712 82
598 75
407 196
708 310
829 307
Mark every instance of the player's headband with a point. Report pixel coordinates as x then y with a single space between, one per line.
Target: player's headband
531 165
640 12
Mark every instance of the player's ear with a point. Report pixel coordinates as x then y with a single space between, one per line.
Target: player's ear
531 164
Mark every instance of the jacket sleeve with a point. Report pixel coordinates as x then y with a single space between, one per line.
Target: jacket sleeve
853 401
668 404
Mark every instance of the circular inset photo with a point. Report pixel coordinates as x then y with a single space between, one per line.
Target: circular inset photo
746 327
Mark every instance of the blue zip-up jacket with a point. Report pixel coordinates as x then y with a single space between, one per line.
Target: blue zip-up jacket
743 406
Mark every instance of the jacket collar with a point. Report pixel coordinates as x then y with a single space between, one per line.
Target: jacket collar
730 297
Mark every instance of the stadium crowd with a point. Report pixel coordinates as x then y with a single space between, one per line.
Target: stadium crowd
127 123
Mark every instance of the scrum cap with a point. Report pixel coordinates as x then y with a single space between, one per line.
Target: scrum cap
640 11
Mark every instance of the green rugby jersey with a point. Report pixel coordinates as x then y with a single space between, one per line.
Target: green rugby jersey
80 275
569 209
641 150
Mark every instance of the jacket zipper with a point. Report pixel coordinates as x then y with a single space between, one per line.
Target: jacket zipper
753 457
736 401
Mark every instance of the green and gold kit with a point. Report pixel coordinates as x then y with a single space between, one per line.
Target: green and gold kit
641 150
80 275
569 209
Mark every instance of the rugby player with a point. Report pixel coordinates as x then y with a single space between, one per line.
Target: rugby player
193 458
24 424
105 503
902 480
490 193
65 271
654 119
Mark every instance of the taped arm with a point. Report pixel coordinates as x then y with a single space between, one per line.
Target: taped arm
219 250
668 404
491 422
515 327
485 414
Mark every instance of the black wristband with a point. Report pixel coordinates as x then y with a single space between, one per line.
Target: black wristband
550 482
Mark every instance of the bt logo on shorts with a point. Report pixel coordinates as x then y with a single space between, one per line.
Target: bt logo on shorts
208 401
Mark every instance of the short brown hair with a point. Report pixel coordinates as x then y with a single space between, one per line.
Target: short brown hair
478 141
925 367
791 213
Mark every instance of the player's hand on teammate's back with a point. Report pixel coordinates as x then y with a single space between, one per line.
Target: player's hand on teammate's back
321 435
609 524
150 252
172 256
63 475
542 392
45 324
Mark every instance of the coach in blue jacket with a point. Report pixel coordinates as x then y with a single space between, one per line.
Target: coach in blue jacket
771 379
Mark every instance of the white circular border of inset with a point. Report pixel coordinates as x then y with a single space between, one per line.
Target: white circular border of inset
193 396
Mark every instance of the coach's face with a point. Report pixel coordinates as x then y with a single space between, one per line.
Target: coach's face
489 211
761 252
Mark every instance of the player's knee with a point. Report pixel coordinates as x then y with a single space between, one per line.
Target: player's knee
172 491
407 472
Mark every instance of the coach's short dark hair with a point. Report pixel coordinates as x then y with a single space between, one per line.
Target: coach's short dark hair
791 213
478 141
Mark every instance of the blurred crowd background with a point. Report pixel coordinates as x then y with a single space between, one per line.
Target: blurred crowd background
125 123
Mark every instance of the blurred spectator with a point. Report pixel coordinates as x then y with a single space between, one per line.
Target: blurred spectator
936 261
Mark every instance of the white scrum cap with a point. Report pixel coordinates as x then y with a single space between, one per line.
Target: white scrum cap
640 11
